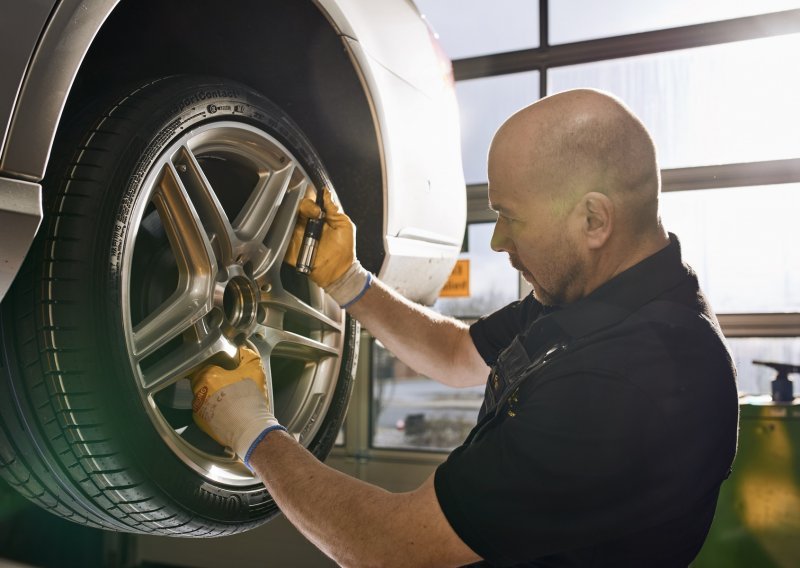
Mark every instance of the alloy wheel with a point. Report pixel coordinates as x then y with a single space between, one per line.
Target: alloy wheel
202 272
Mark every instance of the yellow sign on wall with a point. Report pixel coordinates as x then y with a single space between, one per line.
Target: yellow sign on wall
457 286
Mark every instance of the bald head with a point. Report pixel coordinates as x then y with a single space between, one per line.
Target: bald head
580 141
574 180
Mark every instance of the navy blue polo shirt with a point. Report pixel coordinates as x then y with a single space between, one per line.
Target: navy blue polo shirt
608 426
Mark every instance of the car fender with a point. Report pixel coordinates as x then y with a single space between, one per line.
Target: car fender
19 33
425 205
52 70
38 69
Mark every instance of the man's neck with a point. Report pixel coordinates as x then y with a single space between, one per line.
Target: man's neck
618 259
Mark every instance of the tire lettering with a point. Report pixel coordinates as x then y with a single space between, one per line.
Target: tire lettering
204 95
214 108
117 238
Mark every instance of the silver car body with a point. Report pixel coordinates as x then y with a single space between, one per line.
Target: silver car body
44 43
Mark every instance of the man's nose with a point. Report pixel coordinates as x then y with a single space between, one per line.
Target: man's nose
500 241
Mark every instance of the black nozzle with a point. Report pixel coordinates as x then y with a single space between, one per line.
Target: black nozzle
782 388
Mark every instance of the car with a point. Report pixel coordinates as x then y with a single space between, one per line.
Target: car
152 158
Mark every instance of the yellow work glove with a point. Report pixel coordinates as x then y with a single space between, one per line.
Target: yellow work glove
336 268
233 406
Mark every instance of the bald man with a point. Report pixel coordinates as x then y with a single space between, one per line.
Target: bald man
610 414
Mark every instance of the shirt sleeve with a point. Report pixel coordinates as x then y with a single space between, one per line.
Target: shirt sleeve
558 474
493 333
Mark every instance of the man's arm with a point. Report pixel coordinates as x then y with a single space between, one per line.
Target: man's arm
430 343
355 523
434 345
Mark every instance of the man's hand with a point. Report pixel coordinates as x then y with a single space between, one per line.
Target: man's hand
336 251
233 406
336 268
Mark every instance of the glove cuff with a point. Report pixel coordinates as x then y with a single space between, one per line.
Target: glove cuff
267 430
350 286
253 433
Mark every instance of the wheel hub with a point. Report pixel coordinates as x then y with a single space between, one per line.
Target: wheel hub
239 307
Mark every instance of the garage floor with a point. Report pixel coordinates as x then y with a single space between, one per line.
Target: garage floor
31 537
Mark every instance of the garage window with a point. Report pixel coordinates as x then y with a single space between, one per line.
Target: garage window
410 411
742 242
756 379
578 20
700 104
493 282
484 105
467 28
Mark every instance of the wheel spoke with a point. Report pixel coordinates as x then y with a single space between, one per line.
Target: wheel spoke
191 299
183 360
209 209
173 317
270 255
195 258
256 216
292 345
283 300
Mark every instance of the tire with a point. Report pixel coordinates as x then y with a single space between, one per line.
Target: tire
161 249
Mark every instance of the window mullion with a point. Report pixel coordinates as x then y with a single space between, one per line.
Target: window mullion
731 175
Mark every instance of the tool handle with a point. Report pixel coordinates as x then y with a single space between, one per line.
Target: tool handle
783 368
308 249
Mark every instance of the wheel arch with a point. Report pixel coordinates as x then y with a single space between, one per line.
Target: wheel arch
288 51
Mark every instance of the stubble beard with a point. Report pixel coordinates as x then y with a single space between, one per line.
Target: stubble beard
562 273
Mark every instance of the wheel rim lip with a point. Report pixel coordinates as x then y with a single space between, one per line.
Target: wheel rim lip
229 471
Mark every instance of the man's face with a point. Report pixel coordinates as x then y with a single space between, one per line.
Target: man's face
541 242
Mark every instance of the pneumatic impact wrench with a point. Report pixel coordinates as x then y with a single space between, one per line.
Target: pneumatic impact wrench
313 232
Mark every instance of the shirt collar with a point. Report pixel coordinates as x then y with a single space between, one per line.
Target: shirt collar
625 293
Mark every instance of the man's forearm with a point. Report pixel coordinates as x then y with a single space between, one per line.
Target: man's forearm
303 489
432 344
355 523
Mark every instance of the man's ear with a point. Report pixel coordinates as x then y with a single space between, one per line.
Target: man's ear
597 212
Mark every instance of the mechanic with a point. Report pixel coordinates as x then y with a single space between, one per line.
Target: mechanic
610 416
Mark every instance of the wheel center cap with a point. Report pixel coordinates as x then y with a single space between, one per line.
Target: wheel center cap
240 302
